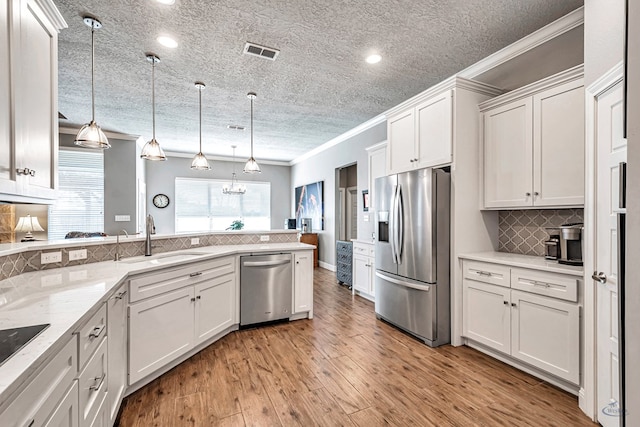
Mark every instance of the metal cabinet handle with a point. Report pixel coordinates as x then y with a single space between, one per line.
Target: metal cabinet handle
484 273
199 297
193 299
600 277
535 193
26 171
513 304
100 380
31 423
527 194
95 333
505 302
199 273
120 295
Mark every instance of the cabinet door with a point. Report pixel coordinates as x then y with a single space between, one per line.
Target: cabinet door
160 329
7 147
66 413
377 168
508 155
36 84
486 314
215 306
558 141
303 282
546 334
435 131
402 142
361 273
117 351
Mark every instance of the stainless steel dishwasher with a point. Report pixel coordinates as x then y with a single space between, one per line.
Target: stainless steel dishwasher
265 288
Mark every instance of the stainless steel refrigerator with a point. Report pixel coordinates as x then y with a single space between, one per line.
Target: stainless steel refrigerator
412 253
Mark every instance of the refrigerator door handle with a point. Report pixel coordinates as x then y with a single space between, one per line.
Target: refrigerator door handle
400 233
383 276
392 226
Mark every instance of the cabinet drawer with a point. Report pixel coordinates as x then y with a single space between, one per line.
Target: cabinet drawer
155 284
90 336
547 284
488 273
363 249
93 385
344 257
41 397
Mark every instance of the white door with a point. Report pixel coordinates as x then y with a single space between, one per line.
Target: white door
611 149
487 314
117 349
215 306
435 130
361 273
400 132
303 282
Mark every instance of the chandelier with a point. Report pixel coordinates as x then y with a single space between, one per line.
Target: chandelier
234 187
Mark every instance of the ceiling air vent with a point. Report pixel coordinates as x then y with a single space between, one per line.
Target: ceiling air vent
261 51
235 127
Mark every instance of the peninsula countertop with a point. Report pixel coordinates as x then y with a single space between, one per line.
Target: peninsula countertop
66 297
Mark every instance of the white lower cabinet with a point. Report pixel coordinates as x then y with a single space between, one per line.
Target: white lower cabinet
363 269
215 306
160 330
117 352
92 384
66 414
174 310
303 282
541 331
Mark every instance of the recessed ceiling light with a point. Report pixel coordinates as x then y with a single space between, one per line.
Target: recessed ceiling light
166 1
374 59
167 42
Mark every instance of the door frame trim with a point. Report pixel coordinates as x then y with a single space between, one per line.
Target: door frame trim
587 396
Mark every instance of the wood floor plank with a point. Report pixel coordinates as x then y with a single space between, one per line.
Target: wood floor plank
344 367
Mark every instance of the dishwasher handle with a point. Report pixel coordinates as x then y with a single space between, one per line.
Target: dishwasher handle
265 263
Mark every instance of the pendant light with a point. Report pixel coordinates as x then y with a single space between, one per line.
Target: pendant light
152 150
90 135
200 161
251 166
234 188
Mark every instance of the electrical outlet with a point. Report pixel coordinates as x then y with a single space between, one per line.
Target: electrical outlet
50 257
365 217
264 238
76 255
122 218
195 241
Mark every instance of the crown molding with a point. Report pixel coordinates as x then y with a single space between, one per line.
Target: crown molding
559 26
52 13
607 80
374 147
381 118
573 73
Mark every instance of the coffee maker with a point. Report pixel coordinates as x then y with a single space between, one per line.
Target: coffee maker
571 244
552 245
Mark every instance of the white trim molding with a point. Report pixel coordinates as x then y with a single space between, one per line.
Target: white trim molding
587 398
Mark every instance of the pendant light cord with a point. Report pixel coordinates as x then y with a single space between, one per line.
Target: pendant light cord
153 94
200 102
252 128
93 72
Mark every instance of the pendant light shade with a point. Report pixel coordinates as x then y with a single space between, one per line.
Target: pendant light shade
200 161
90 135
251 166
234 188
152 150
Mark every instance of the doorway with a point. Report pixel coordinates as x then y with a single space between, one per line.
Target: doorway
347 211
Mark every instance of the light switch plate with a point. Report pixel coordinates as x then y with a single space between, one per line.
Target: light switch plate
76 255
50 257
365 217
264 238
123 218
195 241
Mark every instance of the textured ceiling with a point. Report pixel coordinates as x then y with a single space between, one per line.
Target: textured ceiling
319 86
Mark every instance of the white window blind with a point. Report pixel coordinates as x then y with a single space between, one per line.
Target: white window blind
201 205
80 203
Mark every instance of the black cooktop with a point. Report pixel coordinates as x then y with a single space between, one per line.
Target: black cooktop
12 340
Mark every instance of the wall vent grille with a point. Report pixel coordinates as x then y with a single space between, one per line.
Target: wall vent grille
261 51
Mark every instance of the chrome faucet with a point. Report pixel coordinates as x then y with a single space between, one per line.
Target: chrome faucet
117 257
151 229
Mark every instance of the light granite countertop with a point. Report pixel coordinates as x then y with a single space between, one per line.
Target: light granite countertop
524 261
67 297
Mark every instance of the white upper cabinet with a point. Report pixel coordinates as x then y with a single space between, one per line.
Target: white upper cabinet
28 115
533 145
421 136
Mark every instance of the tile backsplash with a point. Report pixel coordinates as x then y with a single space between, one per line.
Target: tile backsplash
523 231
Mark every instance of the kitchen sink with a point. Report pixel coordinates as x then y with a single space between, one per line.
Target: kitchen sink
163 258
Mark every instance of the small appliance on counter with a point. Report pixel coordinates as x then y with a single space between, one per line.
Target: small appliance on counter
305 225
552 245
571 244
290 224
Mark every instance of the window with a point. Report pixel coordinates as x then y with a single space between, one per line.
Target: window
201 205
80 203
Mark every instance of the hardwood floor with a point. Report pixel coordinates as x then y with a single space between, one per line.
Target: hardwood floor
344 367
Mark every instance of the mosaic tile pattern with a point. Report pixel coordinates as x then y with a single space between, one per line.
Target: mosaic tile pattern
523 231
13 265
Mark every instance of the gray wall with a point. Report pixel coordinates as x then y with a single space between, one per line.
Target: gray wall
120 186
160 178
322 167
603 37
